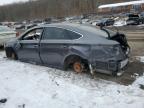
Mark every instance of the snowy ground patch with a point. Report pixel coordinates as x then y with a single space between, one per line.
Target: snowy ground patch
32 86
119 23
140 58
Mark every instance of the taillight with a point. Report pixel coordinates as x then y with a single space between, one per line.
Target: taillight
17 34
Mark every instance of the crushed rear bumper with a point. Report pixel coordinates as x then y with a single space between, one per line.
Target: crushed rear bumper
115 68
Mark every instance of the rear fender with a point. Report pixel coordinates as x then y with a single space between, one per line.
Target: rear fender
83 52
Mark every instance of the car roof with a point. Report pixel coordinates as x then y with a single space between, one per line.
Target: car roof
81 28
89 33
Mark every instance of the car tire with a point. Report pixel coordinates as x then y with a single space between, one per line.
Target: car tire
11 54
78 66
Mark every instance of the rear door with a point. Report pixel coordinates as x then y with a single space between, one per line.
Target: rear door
54 46
28 46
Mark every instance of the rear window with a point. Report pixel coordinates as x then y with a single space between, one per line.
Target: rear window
98 31
94 30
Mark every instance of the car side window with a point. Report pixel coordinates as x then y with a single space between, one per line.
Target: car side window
53 33
33 34
73 35
59 33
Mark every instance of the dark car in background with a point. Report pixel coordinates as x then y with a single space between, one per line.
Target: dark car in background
28 26
135 19
105 22
76 46
142 17
19 25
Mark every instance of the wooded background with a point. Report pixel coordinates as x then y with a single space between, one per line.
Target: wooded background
40 9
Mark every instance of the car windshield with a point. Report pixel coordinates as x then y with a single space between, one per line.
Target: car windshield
4 29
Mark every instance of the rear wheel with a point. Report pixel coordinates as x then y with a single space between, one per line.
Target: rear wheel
78 66
76 63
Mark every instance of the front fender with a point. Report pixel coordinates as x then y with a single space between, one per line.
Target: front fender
11 44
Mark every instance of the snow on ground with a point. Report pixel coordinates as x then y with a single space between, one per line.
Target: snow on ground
31 86
119 23
140 58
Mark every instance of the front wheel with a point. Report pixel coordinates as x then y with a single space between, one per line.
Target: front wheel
11 54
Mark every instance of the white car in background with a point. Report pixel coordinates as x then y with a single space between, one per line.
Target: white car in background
119 23
6 34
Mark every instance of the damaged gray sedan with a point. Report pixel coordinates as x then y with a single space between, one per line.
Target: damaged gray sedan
64 46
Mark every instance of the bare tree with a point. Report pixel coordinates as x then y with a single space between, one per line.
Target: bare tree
40 9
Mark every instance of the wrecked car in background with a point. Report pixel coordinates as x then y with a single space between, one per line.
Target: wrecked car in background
105 22
6 34
67 45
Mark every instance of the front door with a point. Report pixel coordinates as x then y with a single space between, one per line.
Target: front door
28 46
